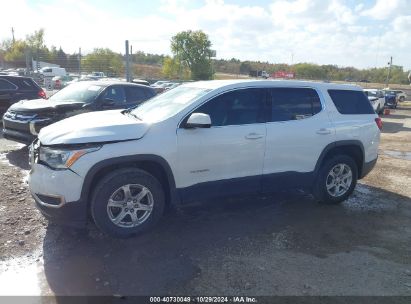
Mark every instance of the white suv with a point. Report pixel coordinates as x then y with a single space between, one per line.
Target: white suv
200 141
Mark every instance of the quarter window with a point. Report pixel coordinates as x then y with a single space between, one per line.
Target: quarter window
238 107
294 103
351 102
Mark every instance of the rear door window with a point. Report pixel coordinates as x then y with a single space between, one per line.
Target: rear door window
351 102
115 93
6 85
135 94
294 103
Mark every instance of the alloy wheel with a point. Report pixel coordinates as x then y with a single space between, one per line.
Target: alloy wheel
130 205
339 180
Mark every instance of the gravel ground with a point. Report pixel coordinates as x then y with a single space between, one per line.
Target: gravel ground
284 244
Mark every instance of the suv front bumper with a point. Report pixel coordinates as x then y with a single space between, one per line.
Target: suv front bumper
57 194
23 129
21 137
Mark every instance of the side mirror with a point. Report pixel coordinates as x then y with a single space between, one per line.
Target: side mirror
198 120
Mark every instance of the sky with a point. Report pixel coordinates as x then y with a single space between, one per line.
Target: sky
359 33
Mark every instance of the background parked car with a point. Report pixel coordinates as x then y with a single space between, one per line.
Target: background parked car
24 120
52 71
16 88
98 74
377 99
140 81
391 99
171 85
60 82
401 95
161 86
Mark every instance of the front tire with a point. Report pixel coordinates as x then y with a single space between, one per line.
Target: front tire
127 202
336 180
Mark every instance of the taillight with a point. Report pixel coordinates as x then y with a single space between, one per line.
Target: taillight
42 94
378 121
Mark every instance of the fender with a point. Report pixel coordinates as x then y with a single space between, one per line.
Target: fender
91 174
340 143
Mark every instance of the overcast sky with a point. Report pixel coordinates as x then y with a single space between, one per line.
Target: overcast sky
343 32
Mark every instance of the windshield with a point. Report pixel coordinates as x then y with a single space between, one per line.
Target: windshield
78 92
168 103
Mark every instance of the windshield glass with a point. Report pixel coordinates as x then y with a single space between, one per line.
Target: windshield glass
168 103
78 92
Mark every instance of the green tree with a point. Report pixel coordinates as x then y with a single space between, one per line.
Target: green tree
103 60
14 51
173 69
192 48
61 58
245 68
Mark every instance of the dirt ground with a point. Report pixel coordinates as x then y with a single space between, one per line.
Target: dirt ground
285 244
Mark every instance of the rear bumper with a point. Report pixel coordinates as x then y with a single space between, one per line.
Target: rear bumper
367 167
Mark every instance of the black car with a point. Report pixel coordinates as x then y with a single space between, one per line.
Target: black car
391 100
24 119
16 88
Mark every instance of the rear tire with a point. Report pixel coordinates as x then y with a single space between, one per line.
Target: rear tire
402 99
333 186
127 202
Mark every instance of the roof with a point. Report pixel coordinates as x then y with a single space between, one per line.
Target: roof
215 84
14 76
107 83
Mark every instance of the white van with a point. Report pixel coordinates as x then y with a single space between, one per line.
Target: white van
52 71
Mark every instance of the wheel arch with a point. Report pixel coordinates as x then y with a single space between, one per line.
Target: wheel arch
153 164
352 148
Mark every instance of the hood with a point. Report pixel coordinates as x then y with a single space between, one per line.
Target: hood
44 105
94 127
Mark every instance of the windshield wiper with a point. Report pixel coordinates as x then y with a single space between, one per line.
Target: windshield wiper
128 112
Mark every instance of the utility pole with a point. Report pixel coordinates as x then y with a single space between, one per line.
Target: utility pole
79 63
26 54
389 73
131 68
12 34
127 63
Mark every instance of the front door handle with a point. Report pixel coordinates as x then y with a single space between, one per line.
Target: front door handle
254 136
323 131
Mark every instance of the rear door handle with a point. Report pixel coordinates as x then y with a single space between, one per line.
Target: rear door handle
323 131
254 136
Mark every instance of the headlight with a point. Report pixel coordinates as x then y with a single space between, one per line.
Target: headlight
61 158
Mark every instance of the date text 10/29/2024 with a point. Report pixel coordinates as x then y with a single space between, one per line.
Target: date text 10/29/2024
200 299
